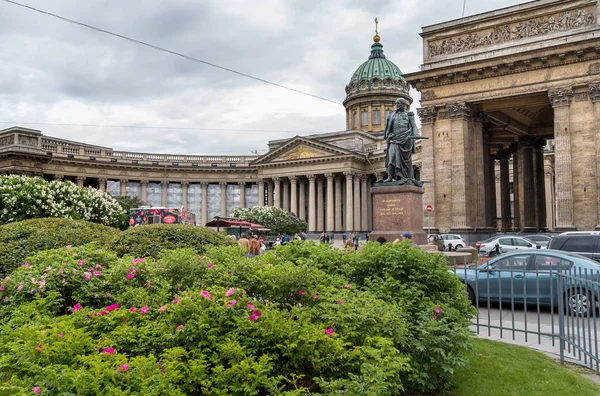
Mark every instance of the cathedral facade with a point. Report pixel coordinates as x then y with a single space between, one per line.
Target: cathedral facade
510 102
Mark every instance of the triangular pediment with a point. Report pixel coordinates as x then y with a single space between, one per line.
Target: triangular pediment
299 148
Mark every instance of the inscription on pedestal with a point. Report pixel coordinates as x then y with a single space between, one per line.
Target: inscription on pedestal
391 207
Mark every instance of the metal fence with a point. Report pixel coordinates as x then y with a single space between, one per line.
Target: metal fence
551 306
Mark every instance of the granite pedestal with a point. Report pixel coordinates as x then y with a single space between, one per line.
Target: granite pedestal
398 209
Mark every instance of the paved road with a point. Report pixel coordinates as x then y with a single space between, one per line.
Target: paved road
541 332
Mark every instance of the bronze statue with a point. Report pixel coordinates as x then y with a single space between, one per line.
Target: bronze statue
400 133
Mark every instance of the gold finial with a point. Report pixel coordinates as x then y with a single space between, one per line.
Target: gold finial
376 37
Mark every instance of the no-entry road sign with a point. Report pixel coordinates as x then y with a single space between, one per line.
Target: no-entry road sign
429 208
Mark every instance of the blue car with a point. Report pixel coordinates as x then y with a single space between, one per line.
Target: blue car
532 277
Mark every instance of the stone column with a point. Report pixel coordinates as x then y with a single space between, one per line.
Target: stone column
428 115
223 209
540 184
286 196
204 211
529 197
261 192
594 91
505 189
478 170
338 204
312 207
550 202
293 195
302 199
80 181
329 225
364 199
357 204
123 187
277 192
460 115
163 192
144 184
242 194
320 209
184 194
59 177
270 193
349 202
102 184
491 190
516 187
561 101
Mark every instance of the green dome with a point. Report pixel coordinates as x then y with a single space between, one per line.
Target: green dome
377 75
377 67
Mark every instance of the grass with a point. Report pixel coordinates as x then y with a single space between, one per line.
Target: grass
497 368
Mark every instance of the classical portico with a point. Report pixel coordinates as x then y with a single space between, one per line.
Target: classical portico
509 100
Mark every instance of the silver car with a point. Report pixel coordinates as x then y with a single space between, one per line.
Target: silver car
503 244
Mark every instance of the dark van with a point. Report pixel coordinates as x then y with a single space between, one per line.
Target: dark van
586 243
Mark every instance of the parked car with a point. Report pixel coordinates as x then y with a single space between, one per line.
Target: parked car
542 240
456 241
585 243
506 243
531 276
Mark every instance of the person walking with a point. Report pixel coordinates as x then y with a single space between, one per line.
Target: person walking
244 242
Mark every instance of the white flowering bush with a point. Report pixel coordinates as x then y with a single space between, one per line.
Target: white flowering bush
276 219
23 197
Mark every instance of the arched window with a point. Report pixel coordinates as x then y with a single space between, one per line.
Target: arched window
376 117
355 120
364 118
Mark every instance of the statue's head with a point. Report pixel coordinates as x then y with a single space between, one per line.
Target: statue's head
402 104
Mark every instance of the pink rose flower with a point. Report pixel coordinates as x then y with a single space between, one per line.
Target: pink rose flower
232 303
178 328
129 275
36 390
20 286
228 272
434 317
144 310
26 265
61 335
132 309
80 263
97 273
205 294
88 275
210 265
107 294
250 307
254 318
176 301
348 286
108 351
161 309
314 296
230 292
329 331
76 307
124 367
340 302
39 348
438 310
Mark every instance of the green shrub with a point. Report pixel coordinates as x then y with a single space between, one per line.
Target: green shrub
150 240
24 238
23 197
282 323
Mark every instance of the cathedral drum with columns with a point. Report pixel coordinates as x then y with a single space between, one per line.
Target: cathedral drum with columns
510 104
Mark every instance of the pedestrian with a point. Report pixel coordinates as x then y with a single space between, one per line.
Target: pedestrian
244 243
356 240
253 247
285 239
327 238
322 237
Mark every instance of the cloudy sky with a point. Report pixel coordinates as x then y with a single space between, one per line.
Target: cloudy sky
54 72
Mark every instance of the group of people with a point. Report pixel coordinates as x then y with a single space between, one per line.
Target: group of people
352 240
253 245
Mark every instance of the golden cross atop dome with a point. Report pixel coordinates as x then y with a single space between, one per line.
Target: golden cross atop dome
376 38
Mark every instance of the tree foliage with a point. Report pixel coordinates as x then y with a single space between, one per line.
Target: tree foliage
276 219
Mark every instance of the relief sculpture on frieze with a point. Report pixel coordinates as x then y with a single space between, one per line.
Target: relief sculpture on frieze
508 32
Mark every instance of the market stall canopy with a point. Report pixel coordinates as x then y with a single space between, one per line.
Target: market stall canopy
229 223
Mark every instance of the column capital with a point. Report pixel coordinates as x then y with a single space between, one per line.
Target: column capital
293 178
204 183
311 178
185 183
594 91
527 141
427 114
58 176
458 111
276 179
124 180
223 183
329 176
504 153
560 97
481 116
260 180
104 180
142 182
242 183
348 175
80 178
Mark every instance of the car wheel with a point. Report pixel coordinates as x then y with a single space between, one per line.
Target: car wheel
458 247
579 302
493 253
471 295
